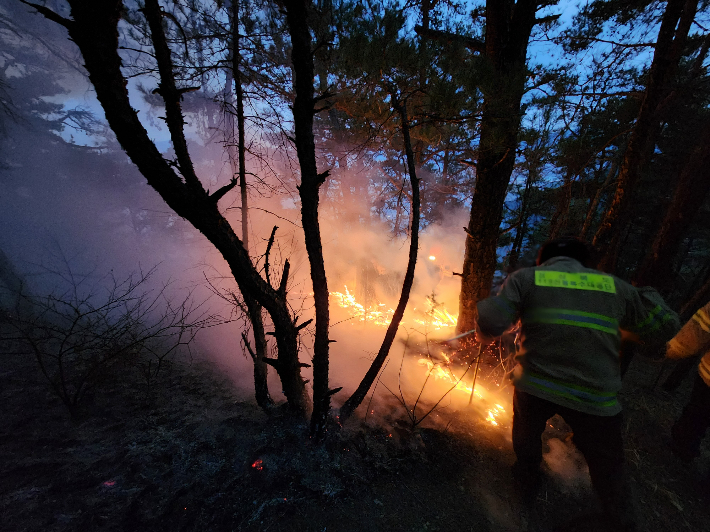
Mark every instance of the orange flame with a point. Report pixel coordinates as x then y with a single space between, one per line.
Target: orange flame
444 373
378 314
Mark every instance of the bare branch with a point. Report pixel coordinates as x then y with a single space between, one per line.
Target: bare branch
268 251
220 192
49 14
474 45
171 95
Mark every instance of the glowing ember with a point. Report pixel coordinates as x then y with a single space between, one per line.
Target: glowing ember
258 465
432 257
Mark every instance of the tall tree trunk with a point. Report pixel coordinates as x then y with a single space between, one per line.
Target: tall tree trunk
94 29
508 28
311 180
357 397
261 369
691 190
676 22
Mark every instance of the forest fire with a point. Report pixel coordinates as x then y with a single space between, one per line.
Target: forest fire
436 318
444 373
378 313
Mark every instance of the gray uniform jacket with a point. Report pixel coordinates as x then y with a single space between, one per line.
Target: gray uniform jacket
571 318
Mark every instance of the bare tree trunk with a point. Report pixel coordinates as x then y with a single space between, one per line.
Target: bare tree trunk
311 180
508 28
94 29
357 397
261 369
672 36
691 190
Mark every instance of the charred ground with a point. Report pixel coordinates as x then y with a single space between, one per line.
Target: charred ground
187 454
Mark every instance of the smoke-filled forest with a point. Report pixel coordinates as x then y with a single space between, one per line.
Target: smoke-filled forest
243 242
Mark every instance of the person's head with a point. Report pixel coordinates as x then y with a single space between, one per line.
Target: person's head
567 246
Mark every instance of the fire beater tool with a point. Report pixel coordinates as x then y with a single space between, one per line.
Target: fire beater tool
459 336
475 372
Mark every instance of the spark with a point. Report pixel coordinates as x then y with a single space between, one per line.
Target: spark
432 257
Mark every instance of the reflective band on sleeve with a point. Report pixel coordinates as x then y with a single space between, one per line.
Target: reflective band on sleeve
578 281
572 392
703 320
575 318
654 320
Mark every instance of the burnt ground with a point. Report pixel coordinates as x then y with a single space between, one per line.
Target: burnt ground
185 454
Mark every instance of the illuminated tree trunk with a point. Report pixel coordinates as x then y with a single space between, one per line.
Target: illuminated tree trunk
672 36
94 29
508 28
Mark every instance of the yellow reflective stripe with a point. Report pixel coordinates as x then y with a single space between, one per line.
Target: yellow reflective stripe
651 316
578 394
578 281
676 349
704 370
702 318
575 318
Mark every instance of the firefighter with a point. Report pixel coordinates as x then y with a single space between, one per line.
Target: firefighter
687 433
571 317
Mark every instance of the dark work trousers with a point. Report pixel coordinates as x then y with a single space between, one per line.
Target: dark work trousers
690 428
597 437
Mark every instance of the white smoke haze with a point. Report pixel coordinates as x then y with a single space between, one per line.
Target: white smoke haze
90 210
567 466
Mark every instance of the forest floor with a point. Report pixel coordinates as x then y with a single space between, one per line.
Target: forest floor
186 454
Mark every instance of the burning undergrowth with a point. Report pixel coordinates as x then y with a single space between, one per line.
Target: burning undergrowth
426 371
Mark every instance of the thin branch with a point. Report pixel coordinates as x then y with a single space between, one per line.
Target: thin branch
49 14
474 45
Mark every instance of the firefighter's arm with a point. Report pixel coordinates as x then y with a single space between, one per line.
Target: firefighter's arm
496 314
650 317
693 337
